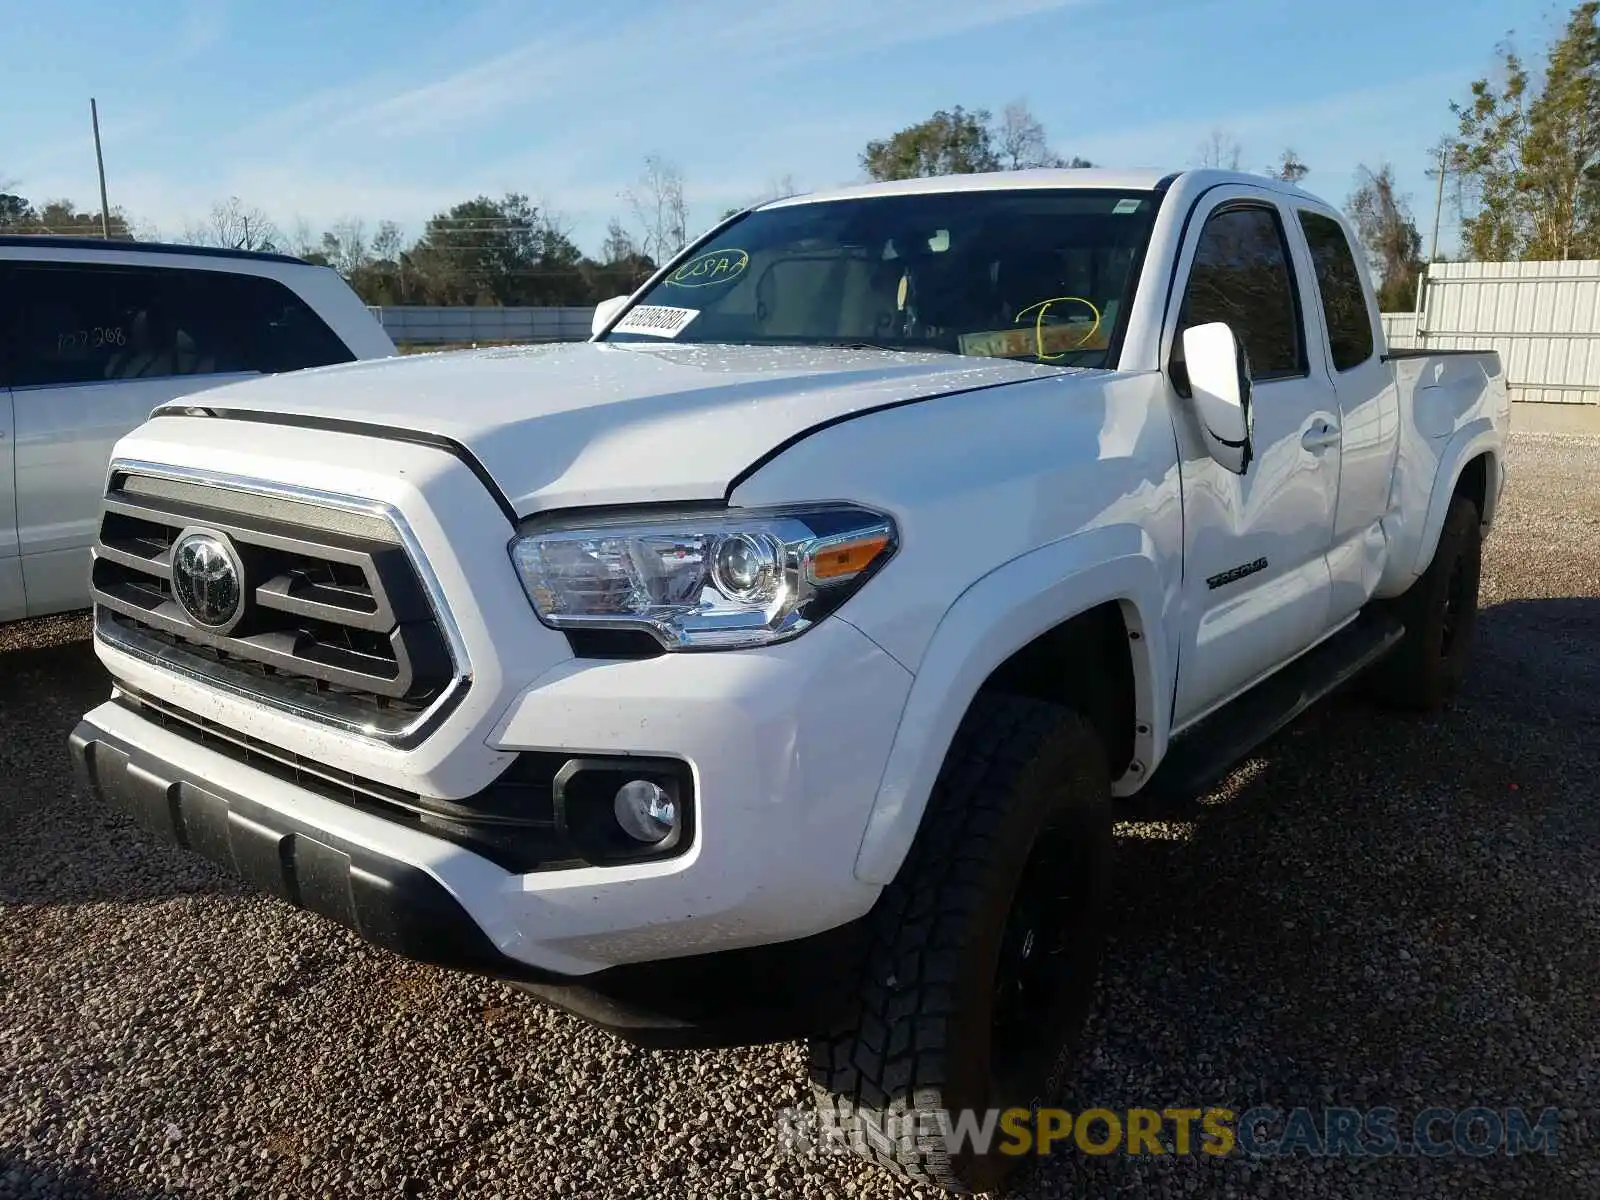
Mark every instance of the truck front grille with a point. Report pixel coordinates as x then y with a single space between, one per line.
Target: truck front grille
333 620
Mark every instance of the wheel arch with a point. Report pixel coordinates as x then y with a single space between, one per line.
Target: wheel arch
1098 594
1473 470
1471 462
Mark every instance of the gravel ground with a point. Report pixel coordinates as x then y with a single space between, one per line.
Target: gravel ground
1372 912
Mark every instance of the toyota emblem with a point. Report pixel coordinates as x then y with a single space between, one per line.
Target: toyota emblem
207 580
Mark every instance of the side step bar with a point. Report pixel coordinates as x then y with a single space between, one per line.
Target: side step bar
1204 753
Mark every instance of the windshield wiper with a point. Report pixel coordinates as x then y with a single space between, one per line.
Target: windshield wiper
888 349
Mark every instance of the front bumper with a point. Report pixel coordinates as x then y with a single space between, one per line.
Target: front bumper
786 747
766 993
388 902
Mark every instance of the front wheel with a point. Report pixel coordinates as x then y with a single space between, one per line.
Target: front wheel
985 951
1440 614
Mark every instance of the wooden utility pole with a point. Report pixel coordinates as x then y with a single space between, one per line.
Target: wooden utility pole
1441 150
1438 206
100 163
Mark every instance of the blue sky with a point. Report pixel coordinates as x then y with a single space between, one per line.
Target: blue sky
318 111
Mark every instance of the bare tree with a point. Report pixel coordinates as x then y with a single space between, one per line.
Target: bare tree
300 241
387 242
236 226
1220 150
345 246
657 203
141 230
1383 218
1021 142
619 244
1289 168
553 224
779 188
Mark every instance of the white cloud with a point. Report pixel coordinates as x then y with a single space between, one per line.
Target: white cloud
204 25
1337 121
727 39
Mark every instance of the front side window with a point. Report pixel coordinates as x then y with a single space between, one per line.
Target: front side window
1344 300
1241 275
1039 275
100 323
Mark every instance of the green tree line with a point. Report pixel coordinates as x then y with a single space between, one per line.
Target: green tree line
1523 159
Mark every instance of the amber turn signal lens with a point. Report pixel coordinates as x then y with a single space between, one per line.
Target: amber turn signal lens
841 560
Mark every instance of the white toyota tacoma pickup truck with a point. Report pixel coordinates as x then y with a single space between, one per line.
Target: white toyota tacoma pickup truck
772 664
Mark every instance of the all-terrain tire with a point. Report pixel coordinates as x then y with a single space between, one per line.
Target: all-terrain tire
1440 614
1006 883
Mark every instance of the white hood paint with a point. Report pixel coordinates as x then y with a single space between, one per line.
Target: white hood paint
587 423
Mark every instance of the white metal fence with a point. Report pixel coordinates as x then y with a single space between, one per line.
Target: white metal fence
1400 330
435 326
1543 318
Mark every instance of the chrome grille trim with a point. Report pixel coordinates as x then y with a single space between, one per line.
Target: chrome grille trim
116 632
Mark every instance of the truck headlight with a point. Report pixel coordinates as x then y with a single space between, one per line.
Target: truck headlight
718 579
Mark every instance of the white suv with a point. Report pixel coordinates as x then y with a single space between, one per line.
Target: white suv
94 335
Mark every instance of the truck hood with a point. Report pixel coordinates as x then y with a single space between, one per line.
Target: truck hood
584 423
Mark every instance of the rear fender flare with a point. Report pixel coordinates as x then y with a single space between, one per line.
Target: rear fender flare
1476 438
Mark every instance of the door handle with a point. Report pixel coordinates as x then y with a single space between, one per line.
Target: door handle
1320 436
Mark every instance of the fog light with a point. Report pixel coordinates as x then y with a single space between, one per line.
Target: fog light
645 811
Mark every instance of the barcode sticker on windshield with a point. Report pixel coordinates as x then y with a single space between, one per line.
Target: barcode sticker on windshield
656 320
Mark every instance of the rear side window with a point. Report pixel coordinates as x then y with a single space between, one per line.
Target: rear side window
1241 275
95 324
1344 302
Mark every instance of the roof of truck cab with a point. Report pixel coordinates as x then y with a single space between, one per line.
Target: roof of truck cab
67 242
1043 177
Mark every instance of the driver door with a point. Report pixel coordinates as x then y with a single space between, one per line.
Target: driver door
1256 582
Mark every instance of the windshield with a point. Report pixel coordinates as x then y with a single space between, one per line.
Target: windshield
1041 276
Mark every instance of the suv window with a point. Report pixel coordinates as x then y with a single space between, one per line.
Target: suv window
1344 301
1241 275
82 323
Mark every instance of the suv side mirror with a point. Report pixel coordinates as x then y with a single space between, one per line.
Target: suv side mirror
1219 379
603 312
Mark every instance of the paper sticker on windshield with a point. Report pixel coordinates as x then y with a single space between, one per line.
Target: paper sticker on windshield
714 266
656 320
1126 206
1026 343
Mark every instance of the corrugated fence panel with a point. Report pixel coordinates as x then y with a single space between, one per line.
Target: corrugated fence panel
1399 329
422 325
1542 317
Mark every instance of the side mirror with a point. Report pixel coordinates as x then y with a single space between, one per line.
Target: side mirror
1219 379
603 312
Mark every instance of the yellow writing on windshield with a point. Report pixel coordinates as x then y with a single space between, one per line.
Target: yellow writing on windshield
1050 342
714 266
1044 306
